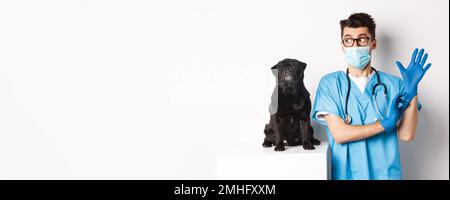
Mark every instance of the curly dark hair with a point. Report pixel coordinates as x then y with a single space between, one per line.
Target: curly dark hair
357 20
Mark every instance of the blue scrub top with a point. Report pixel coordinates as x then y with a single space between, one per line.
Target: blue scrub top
376 157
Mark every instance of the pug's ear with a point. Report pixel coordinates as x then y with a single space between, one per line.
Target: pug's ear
302 65
275 70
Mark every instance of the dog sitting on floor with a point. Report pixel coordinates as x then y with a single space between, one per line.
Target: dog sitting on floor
290 109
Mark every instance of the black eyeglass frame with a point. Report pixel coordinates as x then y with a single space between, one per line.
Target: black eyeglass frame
358 40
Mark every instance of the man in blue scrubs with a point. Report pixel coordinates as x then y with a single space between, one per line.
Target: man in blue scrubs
366 111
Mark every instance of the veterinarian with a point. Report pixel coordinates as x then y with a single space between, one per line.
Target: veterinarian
366 111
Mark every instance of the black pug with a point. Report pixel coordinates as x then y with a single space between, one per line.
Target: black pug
290 109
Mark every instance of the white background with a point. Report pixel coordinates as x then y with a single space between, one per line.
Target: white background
156 89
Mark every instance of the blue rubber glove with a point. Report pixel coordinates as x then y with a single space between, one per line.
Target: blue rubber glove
413 74
397 107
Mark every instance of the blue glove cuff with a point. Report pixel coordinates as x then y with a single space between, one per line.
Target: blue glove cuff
387 125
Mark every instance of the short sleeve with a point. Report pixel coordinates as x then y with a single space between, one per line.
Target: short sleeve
325 101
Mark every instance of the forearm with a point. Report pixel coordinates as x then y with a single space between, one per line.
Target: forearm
343 133
408 123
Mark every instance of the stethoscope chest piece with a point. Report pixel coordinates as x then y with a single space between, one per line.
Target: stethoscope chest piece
348 119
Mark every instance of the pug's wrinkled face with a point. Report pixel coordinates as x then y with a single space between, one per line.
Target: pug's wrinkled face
289 73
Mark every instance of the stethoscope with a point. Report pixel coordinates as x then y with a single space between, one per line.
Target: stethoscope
348 118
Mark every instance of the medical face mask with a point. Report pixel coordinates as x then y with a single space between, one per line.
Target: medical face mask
358 57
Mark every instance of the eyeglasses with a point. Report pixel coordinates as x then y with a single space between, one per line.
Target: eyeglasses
361 41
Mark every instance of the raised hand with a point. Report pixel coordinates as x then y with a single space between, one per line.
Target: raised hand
413 74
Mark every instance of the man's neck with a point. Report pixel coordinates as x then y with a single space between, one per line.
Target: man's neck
360 73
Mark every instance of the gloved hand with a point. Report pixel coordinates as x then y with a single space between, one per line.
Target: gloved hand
413 74
395 112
